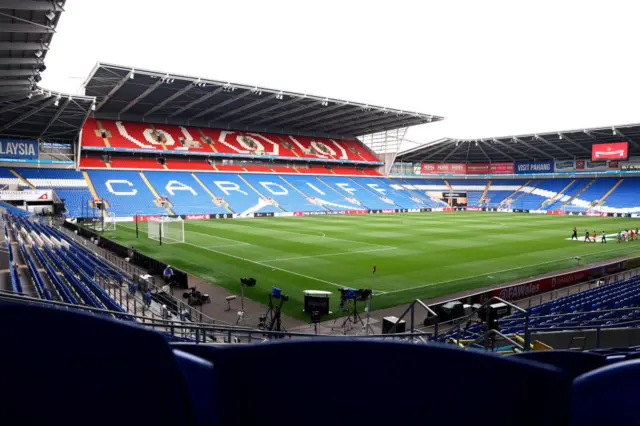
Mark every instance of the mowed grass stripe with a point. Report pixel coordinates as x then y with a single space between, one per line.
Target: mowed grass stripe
432 255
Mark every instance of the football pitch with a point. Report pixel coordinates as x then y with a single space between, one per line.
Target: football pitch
421 255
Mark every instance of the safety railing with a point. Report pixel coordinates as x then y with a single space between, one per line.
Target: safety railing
140 278
202 333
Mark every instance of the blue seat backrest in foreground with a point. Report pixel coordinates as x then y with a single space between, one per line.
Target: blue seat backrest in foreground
61 367
607 396
364 382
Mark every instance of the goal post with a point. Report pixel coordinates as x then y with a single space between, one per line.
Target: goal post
108 223
167 230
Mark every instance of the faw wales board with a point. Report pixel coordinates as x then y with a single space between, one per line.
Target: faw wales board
19 149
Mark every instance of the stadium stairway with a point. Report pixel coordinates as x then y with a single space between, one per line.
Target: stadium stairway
321 193
591 194
68 184
572 193
287 197
350 189
381 187
154 192
553 200
186 193
240 197
22 180
514 194
604 197
625 197
126 192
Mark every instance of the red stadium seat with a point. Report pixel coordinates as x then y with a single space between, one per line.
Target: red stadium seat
160 137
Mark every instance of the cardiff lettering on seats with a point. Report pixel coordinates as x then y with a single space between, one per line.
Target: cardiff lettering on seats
312 186
346 187
111 182
174 185
280 190
377 188
227 187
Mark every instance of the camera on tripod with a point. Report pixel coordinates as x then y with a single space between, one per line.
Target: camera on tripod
276 293
271 320
353 294
249 282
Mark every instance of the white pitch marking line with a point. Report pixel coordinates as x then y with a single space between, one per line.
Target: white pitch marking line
221 238
489 273
308 235
328 254
267 266
261 264
228 245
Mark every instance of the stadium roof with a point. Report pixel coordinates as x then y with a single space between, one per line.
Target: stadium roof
560 145
129 94
26 111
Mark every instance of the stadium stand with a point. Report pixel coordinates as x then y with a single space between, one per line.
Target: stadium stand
288 197
184 192
68 184
126 192
139 136
619 303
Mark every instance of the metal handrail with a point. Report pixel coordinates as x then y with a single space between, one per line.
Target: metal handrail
199 331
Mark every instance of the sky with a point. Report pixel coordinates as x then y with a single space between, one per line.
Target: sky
491 68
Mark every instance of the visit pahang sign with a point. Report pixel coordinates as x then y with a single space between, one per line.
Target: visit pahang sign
610 151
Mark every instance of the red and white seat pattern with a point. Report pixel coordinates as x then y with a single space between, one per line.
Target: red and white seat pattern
158 137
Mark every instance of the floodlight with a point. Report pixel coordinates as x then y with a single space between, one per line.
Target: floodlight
38 53
50 15
560 136
613 129
132 74
476 143
29 95
93 106
57 102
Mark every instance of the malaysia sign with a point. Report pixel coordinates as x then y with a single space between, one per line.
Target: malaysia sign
19 149
610 151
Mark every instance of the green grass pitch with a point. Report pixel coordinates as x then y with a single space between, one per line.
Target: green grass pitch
418 255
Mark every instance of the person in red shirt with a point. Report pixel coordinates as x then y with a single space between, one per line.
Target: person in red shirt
595 235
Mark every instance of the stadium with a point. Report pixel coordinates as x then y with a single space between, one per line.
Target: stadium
175 240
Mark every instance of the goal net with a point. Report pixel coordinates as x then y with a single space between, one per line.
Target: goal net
168 230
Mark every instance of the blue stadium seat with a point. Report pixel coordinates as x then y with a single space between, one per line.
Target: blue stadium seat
184 192
367 383
69 368
573 363
607 396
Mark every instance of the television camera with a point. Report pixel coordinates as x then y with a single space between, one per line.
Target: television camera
271 320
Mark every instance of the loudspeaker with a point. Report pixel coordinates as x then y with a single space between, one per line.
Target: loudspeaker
451 310
388 323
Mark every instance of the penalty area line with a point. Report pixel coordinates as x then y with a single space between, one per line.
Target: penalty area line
328 254
267 266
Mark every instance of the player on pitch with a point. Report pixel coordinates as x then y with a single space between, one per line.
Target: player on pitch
575 233
603 240
586 236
